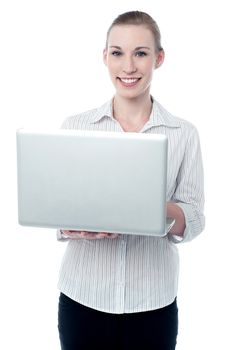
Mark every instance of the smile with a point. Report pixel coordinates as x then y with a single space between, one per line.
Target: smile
129 81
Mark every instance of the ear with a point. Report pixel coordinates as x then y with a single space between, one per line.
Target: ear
105 56
159 59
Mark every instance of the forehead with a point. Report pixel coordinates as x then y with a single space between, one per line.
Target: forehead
130 36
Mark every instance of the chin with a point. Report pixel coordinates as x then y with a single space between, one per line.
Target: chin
132 94
129 96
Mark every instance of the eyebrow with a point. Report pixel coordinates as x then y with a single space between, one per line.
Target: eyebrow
136 48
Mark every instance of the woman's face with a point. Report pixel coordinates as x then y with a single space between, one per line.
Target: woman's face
131 58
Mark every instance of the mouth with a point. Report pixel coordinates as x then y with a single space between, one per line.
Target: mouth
129 82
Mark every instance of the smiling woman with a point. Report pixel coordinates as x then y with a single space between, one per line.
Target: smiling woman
119 291
131 64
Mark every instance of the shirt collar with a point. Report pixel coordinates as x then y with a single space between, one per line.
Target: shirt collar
159 115
105 111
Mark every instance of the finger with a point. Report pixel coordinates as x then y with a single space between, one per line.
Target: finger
70 232
89 235
84 233
66 232
109 235
113 235
101 235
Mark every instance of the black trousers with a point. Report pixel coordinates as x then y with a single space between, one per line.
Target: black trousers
81 328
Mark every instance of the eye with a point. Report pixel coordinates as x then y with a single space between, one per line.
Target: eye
116 53
140 53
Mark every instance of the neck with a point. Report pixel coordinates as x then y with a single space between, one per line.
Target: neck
132 111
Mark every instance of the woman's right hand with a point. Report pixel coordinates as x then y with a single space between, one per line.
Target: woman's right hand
88 235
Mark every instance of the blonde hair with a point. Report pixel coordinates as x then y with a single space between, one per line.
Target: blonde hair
138 18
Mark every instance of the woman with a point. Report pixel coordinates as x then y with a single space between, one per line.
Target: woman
119 291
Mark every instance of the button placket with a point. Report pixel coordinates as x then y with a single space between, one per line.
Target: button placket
120 284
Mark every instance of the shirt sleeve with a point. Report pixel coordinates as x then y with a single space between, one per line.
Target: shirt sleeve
189 193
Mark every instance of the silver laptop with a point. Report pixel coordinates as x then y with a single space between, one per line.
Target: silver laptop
93 181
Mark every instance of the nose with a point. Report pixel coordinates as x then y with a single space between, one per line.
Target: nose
129 65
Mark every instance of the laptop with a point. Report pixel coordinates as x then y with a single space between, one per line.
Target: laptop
93 181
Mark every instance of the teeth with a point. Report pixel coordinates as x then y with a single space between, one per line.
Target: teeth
129 81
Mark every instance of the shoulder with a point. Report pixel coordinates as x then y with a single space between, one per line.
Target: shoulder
80 120
85 120
183 126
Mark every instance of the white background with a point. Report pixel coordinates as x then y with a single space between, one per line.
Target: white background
51 68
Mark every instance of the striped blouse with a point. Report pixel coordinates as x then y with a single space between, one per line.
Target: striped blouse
134 273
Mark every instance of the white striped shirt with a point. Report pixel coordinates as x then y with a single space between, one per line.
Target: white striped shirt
134 273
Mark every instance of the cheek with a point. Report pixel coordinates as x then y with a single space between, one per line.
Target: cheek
149 67
113 66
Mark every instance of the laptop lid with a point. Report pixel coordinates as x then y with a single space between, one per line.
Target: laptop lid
92 181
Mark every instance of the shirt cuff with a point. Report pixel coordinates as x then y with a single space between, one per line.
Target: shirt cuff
193 224
61 237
